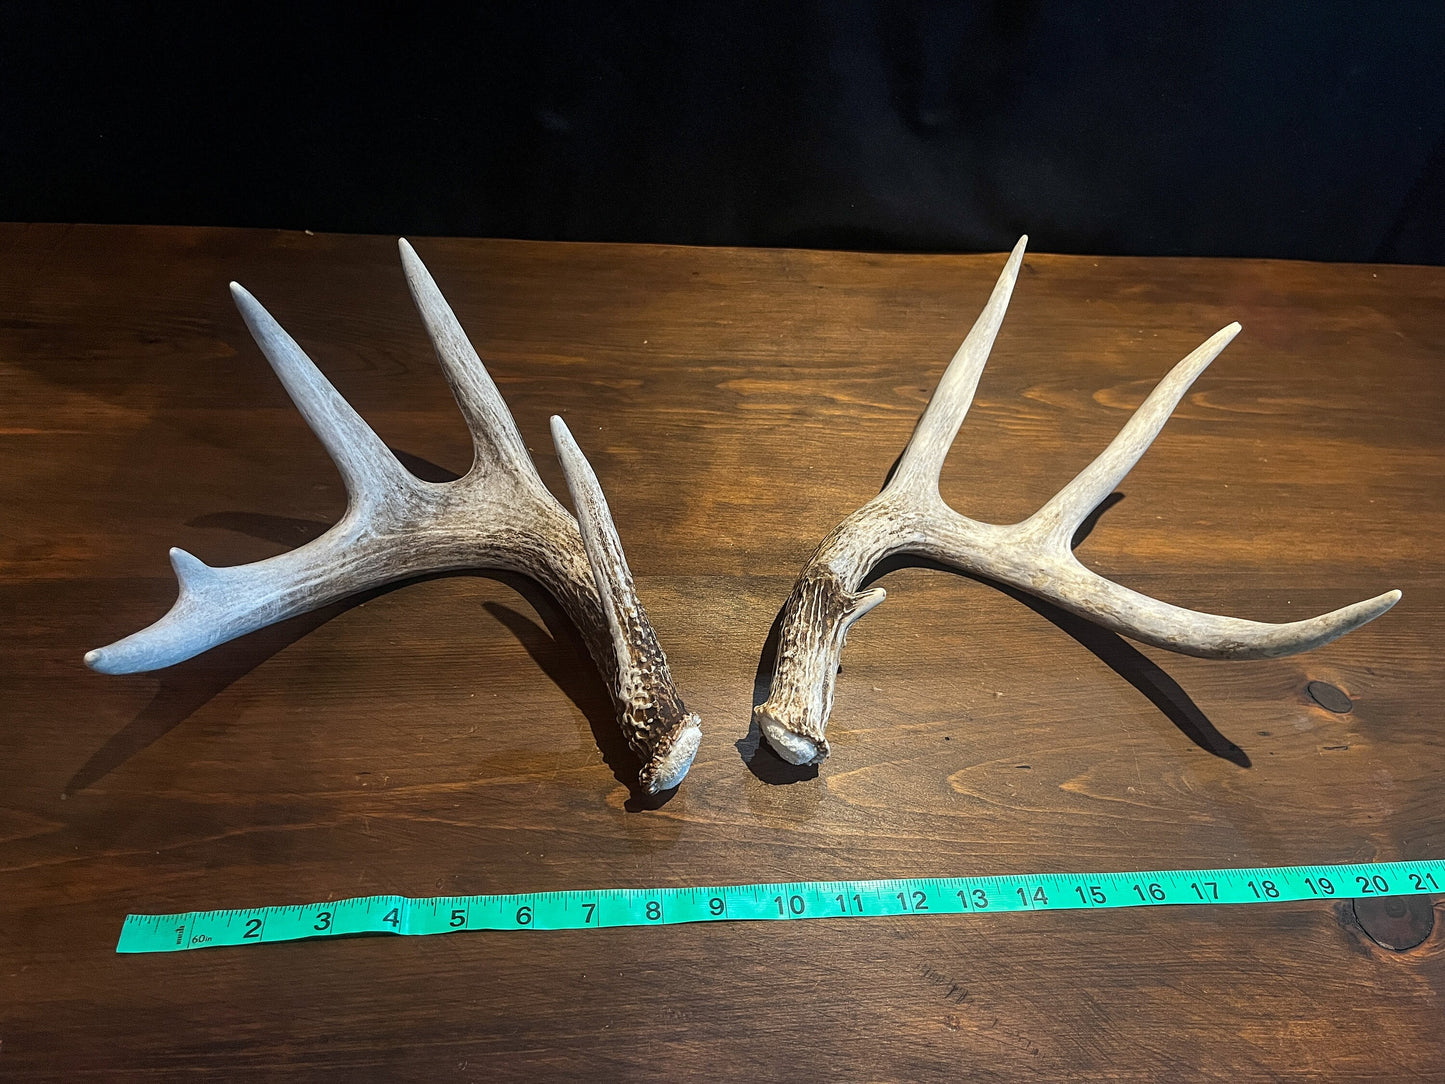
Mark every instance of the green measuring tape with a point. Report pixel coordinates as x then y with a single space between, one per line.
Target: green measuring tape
588 910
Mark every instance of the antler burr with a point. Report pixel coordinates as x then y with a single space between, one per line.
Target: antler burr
498 515
910 517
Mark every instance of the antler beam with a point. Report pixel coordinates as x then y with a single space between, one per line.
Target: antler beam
499 515
1035 556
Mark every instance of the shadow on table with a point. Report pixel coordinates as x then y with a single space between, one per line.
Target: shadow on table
188 686
1112 649
560 653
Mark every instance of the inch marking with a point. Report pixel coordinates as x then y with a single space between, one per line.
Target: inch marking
783 901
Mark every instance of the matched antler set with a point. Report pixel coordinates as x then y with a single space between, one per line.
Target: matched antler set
500 516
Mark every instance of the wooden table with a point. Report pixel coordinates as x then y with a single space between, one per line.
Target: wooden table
437 738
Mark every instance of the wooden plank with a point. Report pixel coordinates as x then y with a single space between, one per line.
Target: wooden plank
735 404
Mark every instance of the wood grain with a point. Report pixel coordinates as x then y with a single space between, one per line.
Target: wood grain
440 737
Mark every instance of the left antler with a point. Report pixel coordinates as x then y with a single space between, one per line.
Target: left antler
1035 556
499 515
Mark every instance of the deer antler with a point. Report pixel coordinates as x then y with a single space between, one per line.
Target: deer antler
1035 556
499 515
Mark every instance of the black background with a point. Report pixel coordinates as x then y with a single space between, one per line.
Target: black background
1313 130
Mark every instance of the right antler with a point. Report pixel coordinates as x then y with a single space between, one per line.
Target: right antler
1035 556
499 515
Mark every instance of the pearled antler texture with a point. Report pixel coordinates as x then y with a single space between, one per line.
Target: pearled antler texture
1035 556
497 516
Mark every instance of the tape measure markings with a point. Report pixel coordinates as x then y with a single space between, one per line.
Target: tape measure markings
784 900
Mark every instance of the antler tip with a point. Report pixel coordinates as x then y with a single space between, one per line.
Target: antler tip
1202 355
191 572
1331 626
185 561
418 278
568 450
1352 617
258 320
113 659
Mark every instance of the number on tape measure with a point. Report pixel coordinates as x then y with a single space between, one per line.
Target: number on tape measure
599 909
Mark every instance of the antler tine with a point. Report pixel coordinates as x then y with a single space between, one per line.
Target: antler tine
660 730
494 431
396 525
365 463
1062 580
1055 523
1034 556
922 460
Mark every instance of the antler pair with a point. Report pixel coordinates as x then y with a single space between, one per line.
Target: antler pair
500 515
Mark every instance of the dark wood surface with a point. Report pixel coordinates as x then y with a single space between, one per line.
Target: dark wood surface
437 738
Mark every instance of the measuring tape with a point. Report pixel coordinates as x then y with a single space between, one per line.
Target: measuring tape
610 907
